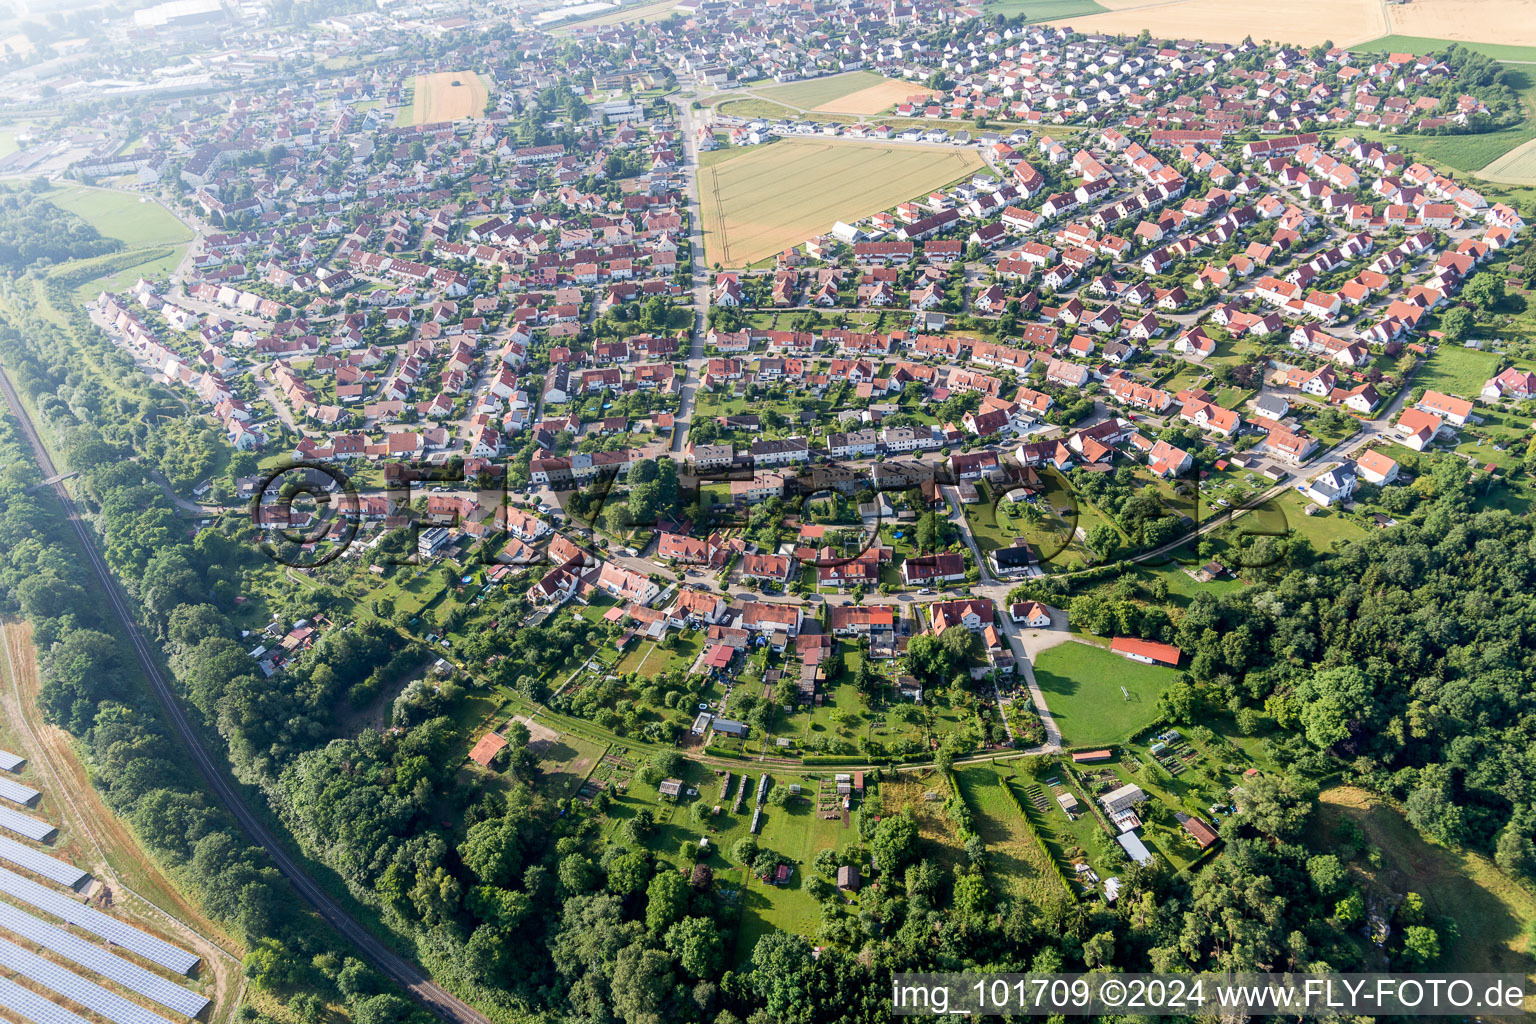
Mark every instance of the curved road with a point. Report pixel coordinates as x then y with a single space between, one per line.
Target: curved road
403 973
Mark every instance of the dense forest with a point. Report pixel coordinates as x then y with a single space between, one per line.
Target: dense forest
1403 663
33 231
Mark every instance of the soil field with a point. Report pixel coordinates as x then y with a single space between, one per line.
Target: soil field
876 98
1301 22
445 96
760 204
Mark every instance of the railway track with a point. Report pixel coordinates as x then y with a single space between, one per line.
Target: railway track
431 995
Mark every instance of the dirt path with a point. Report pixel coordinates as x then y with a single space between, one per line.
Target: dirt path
152 899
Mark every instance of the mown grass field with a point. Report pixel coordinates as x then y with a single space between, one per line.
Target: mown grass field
134 220
759 204
1082 682
444 96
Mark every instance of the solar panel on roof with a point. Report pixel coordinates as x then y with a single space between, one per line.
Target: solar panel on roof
16 791
11 762
76 989
39 863
127 974
34 1007
94 921
26 825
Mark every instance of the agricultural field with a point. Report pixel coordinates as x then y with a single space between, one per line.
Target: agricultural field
1494 914
856 92
1505 24
132 219
1398 43
1016 862
444 96
1517 167
1082 682
1302 22
760 204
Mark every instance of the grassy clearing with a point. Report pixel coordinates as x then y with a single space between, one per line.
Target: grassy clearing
1015 861
1082 685
760 204
1494 914
134 220
1457 371
565 763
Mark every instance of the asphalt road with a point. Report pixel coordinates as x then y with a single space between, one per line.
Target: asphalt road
407 975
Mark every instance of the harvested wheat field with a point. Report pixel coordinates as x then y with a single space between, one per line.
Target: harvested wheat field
444 96
1506 22
758 204
876 99
1302 22
1517 167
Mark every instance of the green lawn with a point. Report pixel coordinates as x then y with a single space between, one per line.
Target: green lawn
1082 682
7 143
1041 10
135 220
1323 528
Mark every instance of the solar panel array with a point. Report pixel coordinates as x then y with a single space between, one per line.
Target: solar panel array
127 974
94 921
34 1007
11 762
75 988
38 863
17 792
26 825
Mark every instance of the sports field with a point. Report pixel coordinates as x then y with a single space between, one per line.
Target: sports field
1082 684
856 92
761 203
1041 10
444 96
1303 22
